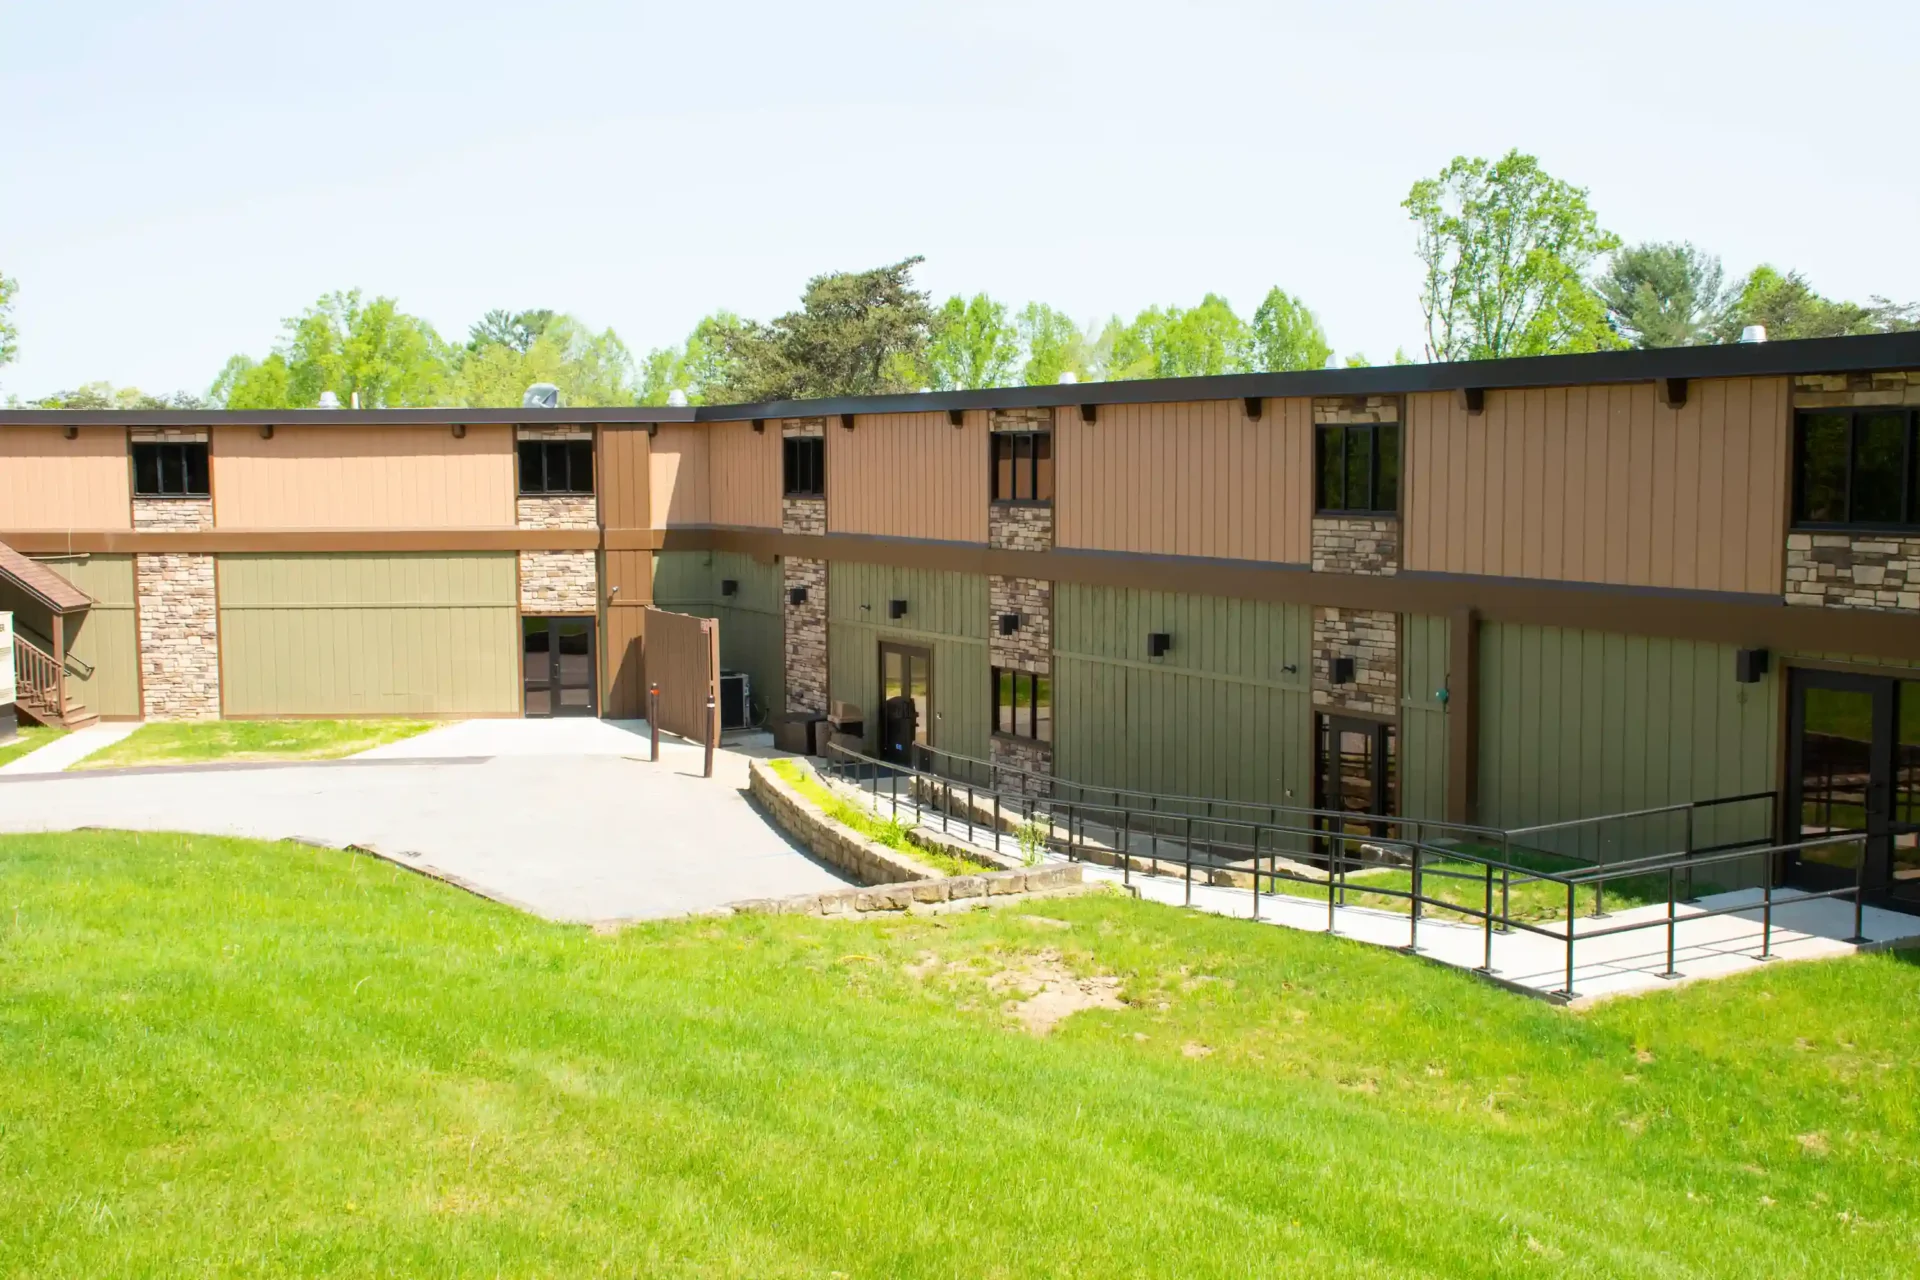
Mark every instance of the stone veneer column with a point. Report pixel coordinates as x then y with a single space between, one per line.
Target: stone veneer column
558 582
1364 545
805 647
1840 569
1021 527
178 605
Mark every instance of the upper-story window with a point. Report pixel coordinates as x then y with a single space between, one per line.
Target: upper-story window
1023 466
805 459
1855 467
1359 468
556 466
170 470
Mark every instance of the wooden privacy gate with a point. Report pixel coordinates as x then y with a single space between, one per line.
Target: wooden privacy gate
683 660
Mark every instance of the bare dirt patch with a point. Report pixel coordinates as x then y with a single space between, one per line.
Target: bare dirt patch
1052 992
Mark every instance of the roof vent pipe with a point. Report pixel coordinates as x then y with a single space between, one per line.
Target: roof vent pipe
328 400
1754 333
356 399
1068 378
541 395
677 398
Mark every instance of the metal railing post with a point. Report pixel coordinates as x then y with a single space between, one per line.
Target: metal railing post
1572 915
1413 905
1126 847
1486 963
1673 884
1860 895
1506 881
1689 854
1187 844
1332 871
653 722
712 734
1766 918
1256 873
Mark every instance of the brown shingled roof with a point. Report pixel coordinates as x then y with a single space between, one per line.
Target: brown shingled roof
41 582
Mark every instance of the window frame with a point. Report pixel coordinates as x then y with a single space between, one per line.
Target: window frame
1909 520
1348 430
567 449
1003 717
1031 465
161 449
792 486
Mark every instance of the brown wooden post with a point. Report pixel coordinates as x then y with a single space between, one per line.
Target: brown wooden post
1463 717
60 668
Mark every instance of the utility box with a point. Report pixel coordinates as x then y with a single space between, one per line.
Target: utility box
736 700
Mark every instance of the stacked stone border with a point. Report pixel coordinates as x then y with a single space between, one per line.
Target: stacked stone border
893 882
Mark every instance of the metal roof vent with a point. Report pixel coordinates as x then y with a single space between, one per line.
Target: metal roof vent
328 400
677 399
1754 333
1068 378
541 395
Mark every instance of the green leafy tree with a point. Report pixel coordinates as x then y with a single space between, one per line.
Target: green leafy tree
9 335
1790 308
104 395
1506 249
708 361
345 346
589 368
1176 342
1286 335
857 333
516 329
1054 345
973 345
1664 295
246 383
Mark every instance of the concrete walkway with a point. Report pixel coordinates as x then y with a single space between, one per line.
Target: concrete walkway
570 835
69 748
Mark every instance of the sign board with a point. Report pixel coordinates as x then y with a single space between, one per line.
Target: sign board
6 658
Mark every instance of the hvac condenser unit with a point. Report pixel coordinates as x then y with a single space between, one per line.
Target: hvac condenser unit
736 700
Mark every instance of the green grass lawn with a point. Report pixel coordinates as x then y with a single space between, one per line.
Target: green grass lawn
207 740
32 737
226 1058
891 832
1465 883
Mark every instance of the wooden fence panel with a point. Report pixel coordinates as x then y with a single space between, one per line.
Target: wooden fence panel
683 658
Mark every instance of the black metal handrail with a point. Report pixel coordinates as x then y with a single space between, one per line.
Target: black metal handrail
1346 852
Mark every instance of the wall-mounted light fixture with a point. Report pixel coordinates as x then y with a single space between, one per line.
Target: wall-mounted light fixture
797 595
729 587
1291 668
1341 670
1158 642
1749 665
896 608
1009 623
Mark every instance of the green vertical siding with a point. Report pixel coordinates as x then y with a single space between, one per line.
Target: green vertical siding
107 636
1218 715
946 613
752 629
369 634
1581 723
1423 717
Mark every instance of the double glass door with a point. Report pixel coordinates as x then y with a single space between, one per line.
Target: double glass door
906 700
1354 770
1854 770
557 667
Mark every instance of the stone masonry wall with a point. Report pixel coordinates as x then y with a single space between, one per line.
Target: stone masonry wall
1026 754
1020 419
173 514
1334 410
806 634
1857 390
556 582
1025 527
803 515
1853 570
1356 544
553 431
179 636
1371 637
1031 647
558 511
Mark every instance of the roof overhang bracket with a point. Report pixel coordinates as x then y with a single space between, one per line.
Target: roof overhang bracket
846 422
957 417
1673 392
1475 398
1088 412
1254 405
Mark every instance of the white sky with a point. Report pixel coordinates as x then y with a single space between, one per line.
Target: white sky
177 178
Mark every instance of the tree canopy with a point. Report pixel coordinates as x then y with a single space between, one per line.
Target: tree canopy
1664 295
9 335
1506 248
1286 336
973 345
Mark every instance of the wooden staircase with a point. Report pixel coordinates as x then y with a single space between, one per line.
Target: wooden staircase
41 688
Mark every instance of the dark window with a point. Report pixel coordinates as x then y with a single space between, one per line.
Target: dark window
806 466
1022 704
1360 468
1855 467
170 470
556 466
1023 466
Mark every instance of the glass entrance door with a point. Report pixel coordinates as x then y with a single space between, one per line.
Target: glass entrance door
1354 774
557 668
1855 770
906 700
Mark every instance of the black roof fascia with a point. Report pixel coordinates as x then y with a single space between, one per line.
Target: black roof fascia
1859 354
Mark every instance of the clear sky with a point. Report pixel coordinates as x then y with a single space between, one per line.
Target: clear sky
177 178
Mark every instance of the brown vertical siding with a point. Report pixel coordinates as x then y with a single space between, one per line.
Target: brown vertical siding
623 665
1603 484
909 475
744 474
363 477
50 482
624 483
680 470
1198 479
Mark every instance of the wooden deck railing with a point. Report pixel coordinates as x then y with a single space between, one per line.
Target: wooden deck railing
40 682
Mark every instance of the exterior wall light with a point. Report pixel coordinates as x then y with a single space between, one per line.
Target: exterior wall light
1009 623
1158 642
896 608
729 587
797 596
1342 670
1749 665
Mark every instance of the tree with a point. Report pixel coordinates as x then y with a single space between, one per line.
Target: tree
1664 295
1285 335
104 395
857 333
1174 342
1506 249
9 335
1790 308
516 329
973 345
708 360
246 383
589 368
341 345
1054 345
